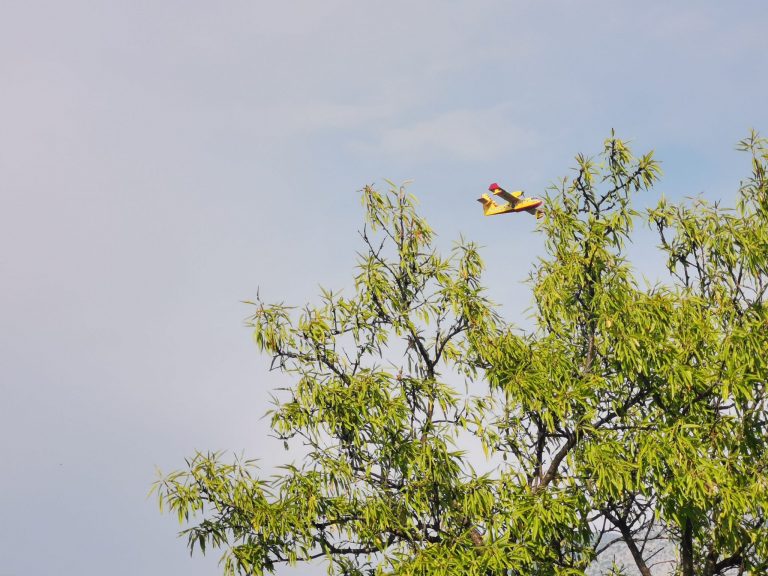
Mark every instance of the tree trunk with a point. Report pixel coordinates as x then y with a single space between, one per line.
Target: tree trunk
686 548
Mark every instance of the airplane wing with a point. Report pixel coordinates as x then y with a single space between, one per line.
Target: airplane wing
538 212
512 198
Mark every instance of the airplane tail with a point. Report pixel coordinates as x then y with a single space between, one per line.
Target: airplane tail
487 203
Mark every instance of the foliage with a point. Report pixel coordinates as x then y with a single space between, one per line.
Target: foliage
632 414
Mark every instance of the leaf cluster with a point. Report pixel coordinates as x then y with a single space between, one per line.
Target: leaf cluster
631 416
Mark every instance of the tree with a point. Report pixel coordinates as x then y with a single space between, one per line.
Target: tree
631 415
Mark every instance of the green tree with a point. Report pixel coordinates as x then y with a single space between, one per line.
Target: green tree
631 415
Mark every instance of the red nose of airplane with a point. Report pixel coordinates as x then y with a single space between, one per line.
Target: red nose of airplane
493 187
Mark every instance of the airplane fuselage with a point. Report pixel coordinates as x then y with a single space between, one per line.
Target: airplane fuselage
490 208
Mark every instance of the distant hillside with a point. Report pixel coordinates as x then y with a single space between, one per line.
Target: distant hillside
661 565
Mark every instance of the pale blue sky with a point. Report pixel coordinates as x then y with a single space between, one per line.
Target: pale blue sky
160 160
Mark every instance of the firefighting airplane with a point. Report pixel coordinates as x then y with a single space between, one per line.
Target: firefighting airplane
516 202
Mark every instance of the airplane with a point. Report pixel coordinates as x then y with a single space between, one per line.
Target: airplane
516 202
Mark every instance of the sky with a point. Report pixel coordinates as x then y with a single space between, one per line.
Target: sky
161 161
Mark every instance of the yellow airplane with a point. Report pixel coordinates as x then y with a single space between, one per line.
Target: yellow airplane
516 202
